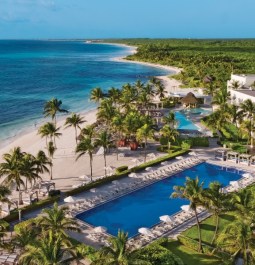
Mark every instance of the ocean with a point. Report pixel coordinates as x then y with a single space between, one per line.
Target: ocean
32 72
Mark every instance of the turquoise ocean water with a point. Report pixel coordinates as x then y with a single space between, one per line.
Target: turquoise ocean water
32 72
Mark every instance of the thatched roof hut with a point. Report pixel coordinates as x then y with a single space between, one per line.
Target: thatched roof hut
189 99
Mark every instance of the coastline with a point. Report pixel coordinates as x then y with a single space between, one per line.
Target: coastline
66 168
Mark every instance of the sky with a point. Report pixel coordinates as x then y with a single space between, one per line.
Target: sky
51 19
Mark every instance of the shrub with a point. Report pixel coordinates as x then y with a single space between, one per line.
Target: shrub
157 254
207 249
24 224
4 226
163 140
185 145
121 169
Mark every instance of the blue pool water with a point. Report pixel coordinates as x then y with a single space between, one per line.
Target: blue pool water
143 208
183 122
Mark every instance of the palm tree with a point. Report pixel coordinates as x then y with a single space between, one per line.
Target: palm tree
221 98
49 129
170 133
106 111
51 151
11 169
48 249
42 161
104 139
243 201
216 202
86 145
248 109
114 94
170 119
52 107
29 169
75 120
55 220
160 90
89 131
238 237
24 236
235 85
192 191
117 253
144 133
96 94
4 192
117 128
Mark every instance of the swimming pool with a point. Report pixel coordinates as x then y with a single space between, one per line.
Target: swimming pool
184 123
142 208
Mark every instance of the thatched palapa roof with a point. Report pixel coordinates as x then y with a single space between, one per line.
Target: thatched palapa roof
189 99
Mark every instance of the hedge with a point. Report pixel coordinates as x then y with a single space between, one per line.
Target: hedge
209 250
121 169
14 215
24 224
124 173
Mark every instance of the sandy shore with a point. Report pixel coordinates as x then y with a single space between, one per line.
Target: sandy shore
66 170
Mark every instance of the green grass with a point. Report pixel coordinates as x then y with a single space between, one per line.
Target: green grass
208 227
191 257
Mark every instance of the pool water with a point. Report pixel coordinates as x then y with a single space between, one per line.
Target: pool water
197 111
184 123
142 208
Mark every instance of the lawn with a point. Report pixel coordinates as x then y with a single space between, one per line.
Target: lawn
208 227
191 257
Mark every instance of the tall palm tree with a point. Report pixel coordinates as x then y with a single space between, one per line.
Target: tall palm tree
117 128
221 98
55 220
51 151
104 139
42 162
192 191
89 131
96 94
106 111
29 169
216 202
86 145
24 236
11 169
75 120
170 133
238 238
114 94
144 133
248 109
160 90
52 107
48 249
50 130
118 254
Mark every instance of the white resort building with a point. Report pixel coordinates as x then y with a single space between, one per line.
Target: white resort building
241 88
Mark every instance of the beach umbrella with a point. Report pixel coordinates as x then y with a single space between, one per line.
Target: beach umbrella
133 175
165 163
145 231
137 160
186 208
100 229
93 190
69 199
166 218
247 175
192 153
179 157
234 184
149 169
84 177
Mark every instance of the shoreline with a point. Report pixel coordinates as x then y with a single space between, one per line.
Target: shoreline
22 132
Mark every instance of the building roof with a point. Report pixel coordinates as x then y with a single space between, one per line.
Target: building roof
189 99
247 92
